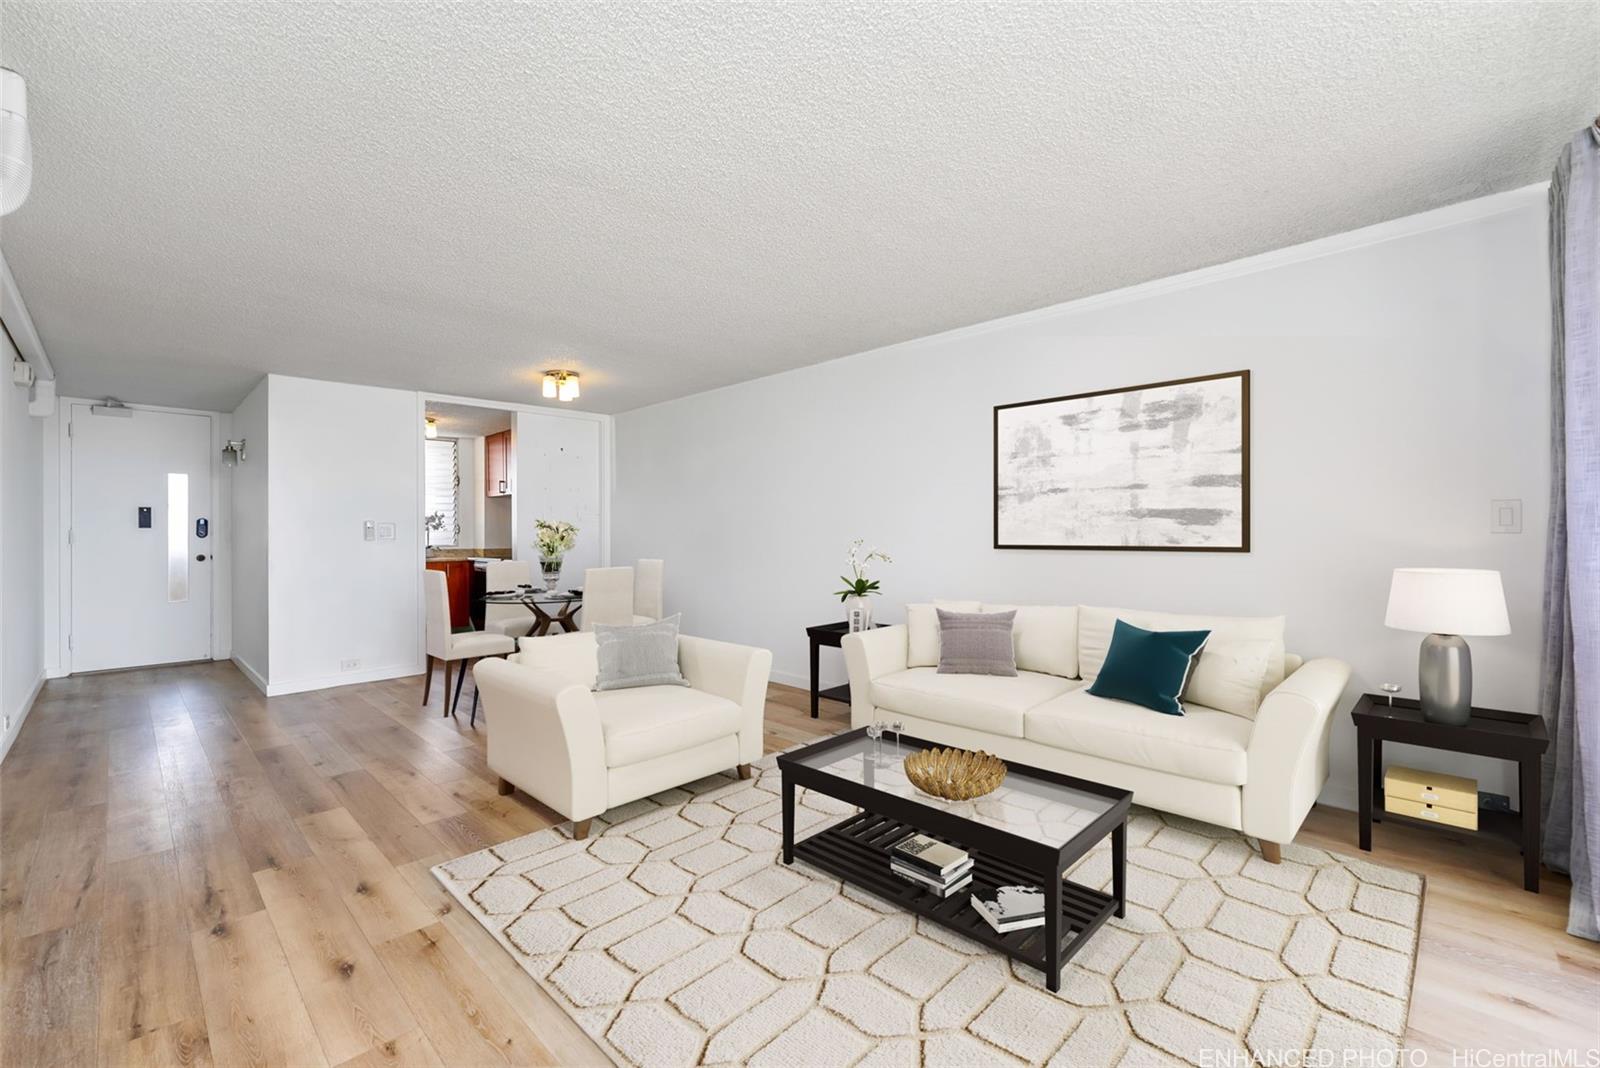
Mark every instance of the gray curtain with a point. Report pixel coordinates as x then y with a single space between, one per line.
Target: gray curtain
1569 697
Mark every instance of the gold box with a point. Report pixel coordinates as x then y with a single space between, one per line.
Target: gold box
1431 788
1431 795
1451 817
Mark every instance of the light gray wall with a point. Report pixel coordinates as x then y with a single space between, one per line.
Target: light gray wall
1398 385
21 552
342 455
249 529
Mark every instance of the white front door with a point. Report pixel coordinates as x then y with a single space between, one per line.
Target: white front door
141 573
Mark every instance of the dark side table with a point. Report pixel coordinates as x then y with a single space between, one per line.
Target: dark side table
1514 736
831 635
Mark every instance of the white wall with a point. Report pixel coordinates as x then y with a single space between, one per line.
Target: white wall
249 531
21 553
341 455
560 465
1399 380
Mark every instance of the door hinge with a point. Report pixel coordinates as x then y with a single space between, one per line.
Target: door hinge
69 643
69 428
69 535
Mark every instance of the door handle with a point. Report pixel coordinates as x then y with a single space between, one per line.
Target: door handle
201 557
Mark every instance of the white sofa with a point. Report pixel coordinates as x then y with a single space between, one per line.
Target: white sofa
1257 770
583 752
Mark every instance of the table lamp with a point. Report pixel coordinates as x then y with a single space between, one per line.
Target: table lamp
1446 603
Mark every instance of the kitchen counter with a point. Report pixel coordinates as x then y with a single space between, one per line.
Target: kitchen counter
469 554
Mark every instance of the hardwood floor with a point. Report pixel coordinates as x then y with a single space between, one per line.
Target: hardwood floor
191 874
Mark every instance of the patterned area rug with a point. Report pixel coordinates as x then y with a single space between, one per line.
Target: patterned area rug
674 936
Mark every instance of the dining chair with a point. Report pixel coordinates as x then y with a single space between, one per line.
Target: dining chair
461 649
512 620
607 597
647 591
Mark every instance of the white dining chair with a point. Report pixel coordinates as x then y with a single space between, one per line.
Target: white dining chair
460 649
648 591
607 597
512 620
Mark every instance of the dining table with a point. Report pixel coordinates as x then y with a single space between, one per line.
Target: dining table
550 608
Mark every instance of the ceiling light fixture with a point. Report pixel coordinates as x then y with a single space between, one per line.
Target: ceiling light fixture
16 148
561 385
430 428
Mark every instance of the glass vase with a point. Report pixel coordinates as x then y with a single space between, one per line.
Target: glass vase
550 568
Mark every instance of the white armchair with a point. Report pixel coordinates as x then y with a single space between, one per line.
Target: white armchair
583 752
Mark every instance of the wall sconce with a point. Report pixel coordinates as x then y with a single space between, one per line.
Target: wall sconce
561 385
233 453
430 429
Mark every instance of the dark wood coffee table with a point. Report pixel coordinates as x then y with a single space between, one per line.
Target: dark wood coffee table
1027 832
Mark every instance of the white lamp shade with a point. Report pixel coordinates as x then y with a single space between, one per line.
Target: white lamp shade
1445 600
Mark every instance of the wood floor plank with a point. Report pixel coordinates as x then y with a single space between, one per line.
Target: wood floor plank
144 989
214 879
353 1004
133 830
325 755
464 1017
382 902
301 788
63 885
384 819
268 837
50 1006
253 1010
141 905
411 1050
179 1045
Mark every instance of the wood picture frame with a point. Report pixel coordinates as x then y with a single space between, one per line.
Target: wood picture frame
1120 486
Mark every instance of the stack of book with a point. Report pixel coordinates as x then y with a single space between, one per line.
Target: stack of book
1011 908
936 866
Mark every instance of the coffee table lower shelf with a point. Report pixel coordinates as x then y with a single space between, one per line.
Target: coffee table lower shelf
856 850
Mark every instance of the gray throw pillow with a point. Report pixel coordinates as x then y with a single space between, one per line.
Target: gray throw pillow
976 643
644 655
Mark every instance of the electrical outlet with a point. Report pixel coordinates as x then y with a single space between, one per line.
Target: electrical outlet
349 665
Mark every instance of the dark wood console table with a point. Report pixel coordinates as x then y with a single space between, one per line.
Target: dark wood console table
1515 736
831 635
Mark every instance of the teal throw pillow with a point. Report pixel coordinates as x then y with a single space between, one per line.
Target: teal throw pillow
1149 667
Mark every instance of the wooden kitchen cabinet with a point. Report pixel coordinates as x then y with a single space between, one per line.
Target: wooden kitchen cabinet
458 582
497 464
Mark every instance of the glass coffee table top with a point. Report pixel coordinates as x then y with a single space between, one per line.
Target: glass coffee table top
1037 809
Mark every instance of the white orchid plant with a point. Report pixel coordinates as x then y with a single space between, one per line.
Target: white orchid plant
860 561
553 537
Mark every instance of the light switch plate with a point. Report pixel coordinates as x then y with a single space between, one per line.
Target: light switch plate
1505 516
367 530
386 532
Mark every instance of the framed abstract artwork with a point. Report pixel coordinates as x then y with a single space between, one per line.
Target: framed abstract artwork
1163 466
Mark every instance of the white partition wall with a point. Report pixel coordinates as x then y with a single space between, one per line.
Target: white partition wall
560 474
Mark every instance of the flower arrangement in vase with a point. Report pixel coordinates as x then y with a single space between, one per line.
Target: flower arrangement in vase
553 537
857 590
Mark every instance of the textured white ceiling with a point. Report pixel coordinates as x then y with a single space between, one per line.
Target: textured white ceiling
673 197
467 420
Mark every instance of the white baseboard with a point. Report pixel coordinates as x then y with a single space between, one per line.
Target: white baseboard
346 678
802 682
250 673
21 716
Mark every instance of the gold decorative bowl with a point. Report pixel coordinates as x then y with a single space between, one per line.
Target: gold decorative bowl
955 774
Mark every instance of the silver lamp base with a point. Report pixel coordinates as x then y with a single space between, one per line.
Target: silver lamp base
1444 676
